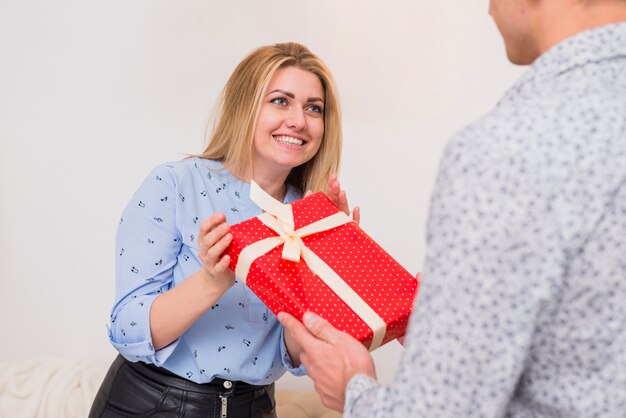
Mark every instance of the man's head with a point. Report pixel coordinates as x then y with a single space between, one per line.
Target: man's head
531 27
514 21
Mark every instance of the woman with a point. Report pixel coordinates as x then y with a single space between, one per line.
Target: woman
194 341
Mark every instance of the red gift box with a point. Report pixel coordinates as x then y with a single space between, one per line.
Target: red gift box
359 288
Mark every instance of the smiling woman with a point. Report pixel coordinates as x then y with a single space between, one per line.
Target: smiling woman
193 340
272 75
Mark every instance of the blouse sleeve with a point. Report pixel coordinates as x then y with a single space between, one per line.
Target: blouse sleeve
147 247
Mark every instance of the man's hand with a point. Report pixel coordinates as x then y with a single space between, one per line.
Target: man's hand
331 357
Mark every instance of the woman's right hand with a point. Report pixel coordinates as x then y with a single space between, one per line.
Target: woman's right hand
174 311
213 240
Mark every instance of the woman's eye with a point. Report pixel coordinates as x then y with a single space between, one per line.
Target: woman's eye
315 108
279 101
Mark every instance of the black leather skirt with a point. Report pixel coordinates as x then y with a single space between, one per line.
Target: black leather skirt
144 390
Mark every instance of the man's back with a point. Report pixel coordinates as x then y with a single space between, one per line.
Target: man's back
531 203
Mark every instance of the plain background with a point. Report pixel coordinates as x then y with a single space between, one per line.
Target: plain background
95 94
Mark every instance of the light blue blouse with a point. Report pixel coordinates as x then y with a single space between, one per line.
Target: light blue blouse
239 338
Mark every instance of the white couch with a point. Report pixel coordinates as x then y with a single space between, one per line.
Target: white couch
49 387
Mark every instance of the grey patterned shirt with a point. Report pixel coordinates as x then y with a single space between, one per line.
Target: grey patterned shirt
522 305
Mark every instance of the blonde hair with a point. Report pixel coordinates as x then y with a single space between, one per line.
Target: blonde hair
231 140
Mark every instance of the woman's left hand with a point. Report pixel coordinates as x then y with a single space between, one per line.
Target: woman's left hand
338 196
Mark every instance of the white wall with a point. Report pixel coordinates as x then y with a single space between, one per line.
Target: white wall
95 93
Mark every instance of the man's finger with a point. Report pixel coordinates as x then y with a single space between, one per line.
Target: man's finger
320 328
297 330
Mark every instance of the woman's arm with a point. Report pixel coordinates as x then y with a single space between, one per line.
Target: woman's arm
176 310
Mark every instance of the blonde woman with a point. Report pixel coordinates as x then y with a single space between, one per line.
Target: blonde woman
193 340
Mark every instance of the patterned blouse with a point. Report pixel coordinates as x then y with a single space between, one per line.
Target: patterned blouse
522 303
238 338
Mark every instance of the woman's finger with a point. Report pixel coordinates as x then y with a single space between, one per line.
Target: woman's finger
356 215
210 223
222 265
343 202
217 232
216 250
332 187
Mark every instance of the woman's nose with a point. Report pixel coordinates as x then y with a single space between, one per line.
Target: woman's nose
297 119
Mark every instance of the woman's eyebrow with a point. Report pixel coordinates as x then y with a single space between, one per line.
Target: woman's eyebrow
293 96
286 93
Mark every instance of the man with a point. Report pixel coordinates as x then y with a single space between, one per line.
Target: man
522 303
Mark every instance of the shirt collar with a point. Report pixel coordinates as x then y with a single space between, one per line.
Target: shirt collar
218 169
593 45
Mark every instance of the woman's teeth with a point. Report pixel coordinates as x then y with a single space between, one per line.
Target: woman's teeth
289 140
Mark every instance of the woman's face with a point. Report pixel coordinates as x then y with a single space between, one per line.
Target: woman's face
290 126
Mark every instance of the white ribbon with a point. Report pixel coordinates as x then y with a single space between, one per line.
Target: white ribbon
279 218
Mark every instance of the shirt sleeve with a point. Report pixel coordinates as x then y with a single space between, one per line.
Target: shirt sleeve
488 274
147 247
361 396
